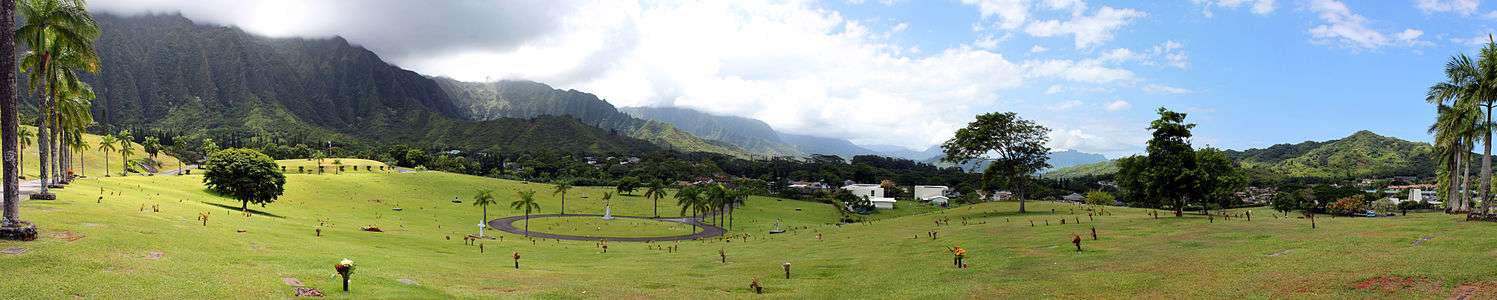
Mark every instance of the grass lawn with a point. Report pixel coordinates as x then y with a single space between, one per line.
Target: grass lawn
93 159
116 249
596 226
330 165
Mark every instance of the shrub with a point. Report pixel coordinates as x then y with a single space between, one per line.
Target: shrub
1099 198
1348 205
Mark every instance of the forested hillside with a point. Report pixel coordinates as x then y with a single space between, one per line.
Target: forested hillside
1361 155
166 73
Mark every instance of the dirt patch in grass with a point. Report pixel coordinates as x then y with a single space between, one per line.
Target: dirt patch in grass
13 250
1395 284
1476 290
66 236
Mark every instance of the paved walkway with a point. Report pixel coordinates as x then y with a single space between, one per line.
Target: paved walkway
507 225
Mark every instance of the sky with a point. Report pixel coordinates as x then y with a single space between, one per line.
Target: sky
1250 73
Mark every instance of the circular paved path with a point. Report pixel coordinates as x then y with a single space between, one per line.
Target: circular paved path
507 225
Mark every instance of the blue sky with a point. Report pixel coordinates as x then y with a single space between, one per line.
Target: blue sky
1251 73
1254 78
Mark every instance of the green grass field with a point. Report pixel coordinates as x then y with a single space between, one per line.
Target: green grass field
330 165
93 159
596 226
118 249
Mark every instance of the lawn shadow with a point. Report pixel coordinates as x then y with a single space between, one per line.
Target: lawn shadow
233 208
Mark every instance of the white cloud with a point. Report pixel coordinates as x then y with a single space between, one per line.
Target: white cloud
1164 89
1170 53
1344 28
1118 105
1089 30
1259 7
1460 7
1038 49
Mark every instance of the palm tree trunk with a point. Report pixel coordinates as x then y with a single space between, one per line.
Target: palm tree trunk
106 163
9 121
1466 181
1486 167
1455 174
527 223
42 142
657 207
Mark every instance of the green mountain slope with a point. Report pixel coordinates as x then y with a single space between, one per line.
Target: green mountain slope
482 101
1361 155
166 73
750 134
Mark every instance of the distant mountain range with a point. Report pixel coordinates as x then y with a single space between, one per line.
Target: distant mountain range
750 134
1363 154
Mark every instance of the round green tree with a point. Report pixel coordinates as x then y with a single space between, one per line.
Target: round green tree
244 174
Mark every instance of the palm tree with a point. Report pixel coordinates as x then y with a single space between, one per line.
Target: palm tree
484 198
1472 84
126 149
26 135
79 145
561 188
52 27
106 144
527 203
690 198
9 119
1456 129
655 190
152 145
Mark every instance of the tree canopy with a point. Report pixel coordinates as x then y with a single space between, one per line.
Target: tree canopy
1018 144
245 175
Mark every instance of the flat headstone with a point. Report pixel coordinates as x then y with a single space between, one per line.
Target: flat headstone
407 281
291 281
13 250
1421 240
154 255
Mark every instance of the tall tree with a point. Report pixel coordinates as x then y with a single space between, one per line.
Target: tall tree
561 188
527 204
1466 89
107 145
53 26
1171 169
690 199
10 217
1017 144
656 191
484 198
1218 178
26 140
127 147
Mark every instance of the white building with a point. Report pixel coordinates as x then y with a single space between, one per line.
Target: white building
925 192
865 190
873 192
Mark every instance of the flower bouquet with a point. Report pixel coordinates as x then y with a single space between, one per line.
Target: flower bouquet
345 268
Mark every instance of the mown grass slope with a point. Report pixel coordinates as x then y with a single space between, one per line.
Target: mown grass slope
116 249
